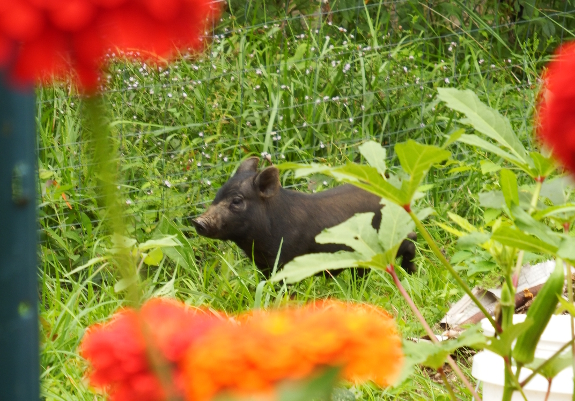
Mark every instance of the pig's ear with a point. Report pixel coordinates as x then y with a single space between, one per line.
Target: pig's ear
267 182
249 165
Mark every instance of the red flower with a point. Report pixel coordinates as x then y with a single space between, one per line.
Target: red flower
41 39
556 109
120 351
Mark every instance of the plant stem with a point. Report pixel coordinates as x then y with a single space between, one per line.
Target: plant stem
435 249
391 270
106 165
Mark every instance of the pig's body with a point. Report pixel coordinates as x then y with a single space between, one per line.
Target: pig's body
252 210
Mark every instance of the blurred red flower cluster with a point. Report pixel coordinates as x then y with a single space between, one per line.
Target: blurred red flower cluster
167 351
41 39
120 351
556 109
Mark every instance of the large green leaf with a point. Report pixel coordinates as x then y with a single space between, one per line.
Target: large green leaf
375 155
357 233
518 239
552 368
484 119
396 224
307 265
416 159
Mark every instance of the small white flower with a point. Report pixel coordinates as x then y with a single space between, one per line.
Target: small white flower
208 182
351 120
446 80
151 91
324 183
128 202
167 183
169 95
259 72
450 48
201 134
405 69
492 65
199 164
225 159
481 61
411 57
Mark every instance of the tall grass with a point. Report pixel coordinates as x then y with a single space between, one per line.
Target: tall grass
302 81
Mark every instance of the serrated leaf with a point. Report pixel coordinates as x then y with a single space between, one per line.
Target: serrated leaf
375 155
518 239
154 258
308 265
484 119
461 222
396 224
502 344
542 166
508 182
356 232
381 260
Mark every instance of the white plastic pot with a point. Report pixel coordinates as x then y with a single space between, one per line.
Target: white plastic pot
489 367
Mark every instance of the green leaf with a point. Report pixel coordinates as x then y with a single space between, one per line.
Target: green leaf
154 258
424 213
455 135
502 344
308 265
317 388
518 239
124 283
554 367
543 166
167 241
181 255
416 159
567 248
461 222
488 167
556 188
375 155
565 305
528 224
435 355
484 119
567 210
474 140
356 232
396 224
508 182
472 240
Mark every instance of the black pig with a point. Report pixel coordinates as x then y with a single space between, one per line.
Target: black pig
255 212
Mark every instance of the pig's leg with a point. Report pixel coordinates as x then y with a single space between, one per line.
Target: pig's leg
407 252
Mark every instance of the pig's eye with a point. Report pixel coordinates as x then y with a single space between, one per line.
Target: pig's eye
237 201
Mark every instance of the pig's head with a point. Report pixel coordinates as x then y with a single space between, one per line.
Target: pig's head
239 210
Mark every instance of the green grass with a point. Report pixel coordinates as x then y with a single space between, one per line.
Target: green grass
302 89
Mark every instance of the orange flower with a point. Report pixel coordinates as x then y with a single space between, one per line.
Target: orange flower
119 351
270 347
40 39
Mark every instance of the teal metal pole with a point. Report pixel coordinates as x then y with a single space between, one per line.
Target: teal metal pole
19 348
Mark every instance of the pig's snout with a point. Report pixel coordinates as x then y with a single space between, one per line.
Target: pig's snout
201 226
